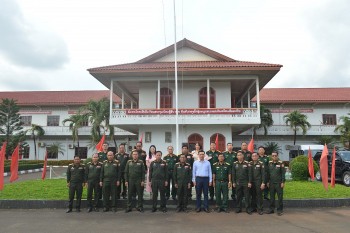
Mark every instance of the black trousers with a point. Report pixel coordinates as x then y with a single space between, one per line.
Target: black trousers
121 187
75 189
257 197
93 189
243 190
182 195
109 189
158 186
276 188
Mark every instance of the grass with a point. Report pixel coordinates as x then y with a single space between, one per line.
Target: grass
56 189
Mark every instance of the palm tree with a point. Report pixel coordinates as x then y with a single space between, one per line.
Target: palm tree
271 147
297 120
36 131
55 148
75 123
98 115
344 129
327 139
266 119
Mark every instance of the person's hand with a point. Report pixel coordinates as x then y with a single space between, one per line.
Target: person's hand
213 184
194 183
142 183
268 185
166 183
126 184
233 185
118 183
68 184
282 185
262 187
210 183
189 185
101 184
176 186
85 185
229 185
249 185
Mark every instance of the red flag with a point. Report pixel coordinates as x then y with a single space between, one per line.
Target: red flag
324 167
43 175
251 145
217 141
333 169
14 164
99 145
311 165
141 138
2 164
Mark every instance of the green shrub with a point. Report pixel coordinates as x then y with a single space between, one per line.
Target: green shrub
301 172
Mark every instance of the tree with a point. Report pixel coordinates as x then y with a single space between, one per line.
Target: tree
266 119
327 139
344 129
36 131
55 149
10 124
296 121
75 123
98 115
271 147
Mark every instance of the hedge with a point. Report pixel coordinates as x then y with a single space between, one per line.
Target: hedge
299 168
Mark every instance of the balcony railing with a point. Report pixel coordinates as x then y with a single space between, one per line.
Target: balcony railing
286 130
185 116
64 130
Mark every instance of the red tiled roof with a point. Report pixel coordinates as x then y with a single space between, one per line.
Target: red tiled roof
304 95
186 66
54 98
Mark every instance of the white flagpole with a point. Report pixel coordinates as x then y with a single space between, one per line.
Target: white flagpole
176 91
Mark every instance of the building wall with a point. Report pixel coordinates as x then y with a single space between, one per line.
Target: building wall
186 54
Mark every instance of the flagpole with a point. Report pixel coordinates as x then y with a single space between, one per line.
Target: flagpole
176 91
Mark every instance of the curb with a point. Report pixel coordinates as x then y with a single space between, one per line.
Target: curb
25 172
60 204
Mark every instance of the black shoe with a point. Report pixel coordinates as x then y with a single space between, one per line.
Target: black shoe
280 213
254 210
226 210
89 210
78 210
185 210
105 210
198 210
68 211
128 210
140 210
178 210
154 210
124 197
238 211
174 198
218 210
270 212
207 210
114 210
164 210
260 212
96 209
249 212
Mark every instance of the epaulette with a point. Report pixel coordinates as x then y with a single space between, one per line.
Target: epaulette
187 164
177 163
215 163
236 162
270 161
71 164
89 163
105 161
227 164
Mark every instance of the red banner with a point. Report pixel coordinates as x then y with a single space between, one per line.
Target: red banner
194 111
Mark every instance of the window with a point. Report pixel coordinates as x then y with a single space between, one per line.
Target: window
26 120
166 98
148 136
329 119
203 98
85 123
81 151
53 120
25 152
168 137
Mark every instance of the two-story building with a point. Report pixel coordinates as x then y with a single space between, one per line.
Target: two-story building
214 95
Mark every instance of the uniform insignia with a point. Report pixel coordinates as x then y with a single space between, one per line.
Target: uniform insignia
188 157
91 166
80 168
257 165
98 166
277 165
244 165
162 164
186 167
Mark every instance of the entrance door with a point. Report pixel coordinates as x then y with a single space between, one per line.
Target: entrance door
222 141
193 139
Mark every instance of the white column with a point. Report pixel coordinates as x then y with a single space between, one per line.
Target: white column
248 97
122 99
208 93
158 95
257 96
111 99
131 104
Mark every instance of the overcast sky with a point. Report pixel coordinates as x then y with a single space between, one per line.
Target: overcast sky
49 44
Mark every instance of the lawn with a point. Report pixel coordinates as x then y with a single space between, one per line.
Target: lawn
56 189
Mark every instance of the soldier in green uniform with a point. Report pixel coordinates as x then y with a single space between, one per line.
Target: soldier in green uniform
135 180
258 183
102 155
189 160
109 181
92 174
123 158
222 182
265 159
275 181
230 158
142 153
158 176
242 178
171 159
182 178
212 158
247 154
75 182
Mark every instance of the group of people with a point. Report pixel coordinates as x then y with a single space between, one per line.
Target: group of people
250 175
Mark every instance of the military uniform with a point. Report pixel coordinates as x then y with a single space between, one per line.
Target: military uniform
183 178
92 173
276 176
134 175
102 156
110 175
123 159
189 160
241 176
142 156
75 179
222 172
171 160
230 158
265 159
214 159
247 155
158 175
258 177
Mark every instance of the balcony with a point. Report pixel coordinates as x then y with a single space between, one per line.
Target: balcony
195 116
64 131
286 130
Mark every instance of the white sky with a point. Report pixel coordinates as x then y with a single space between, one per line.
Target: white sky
49 44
